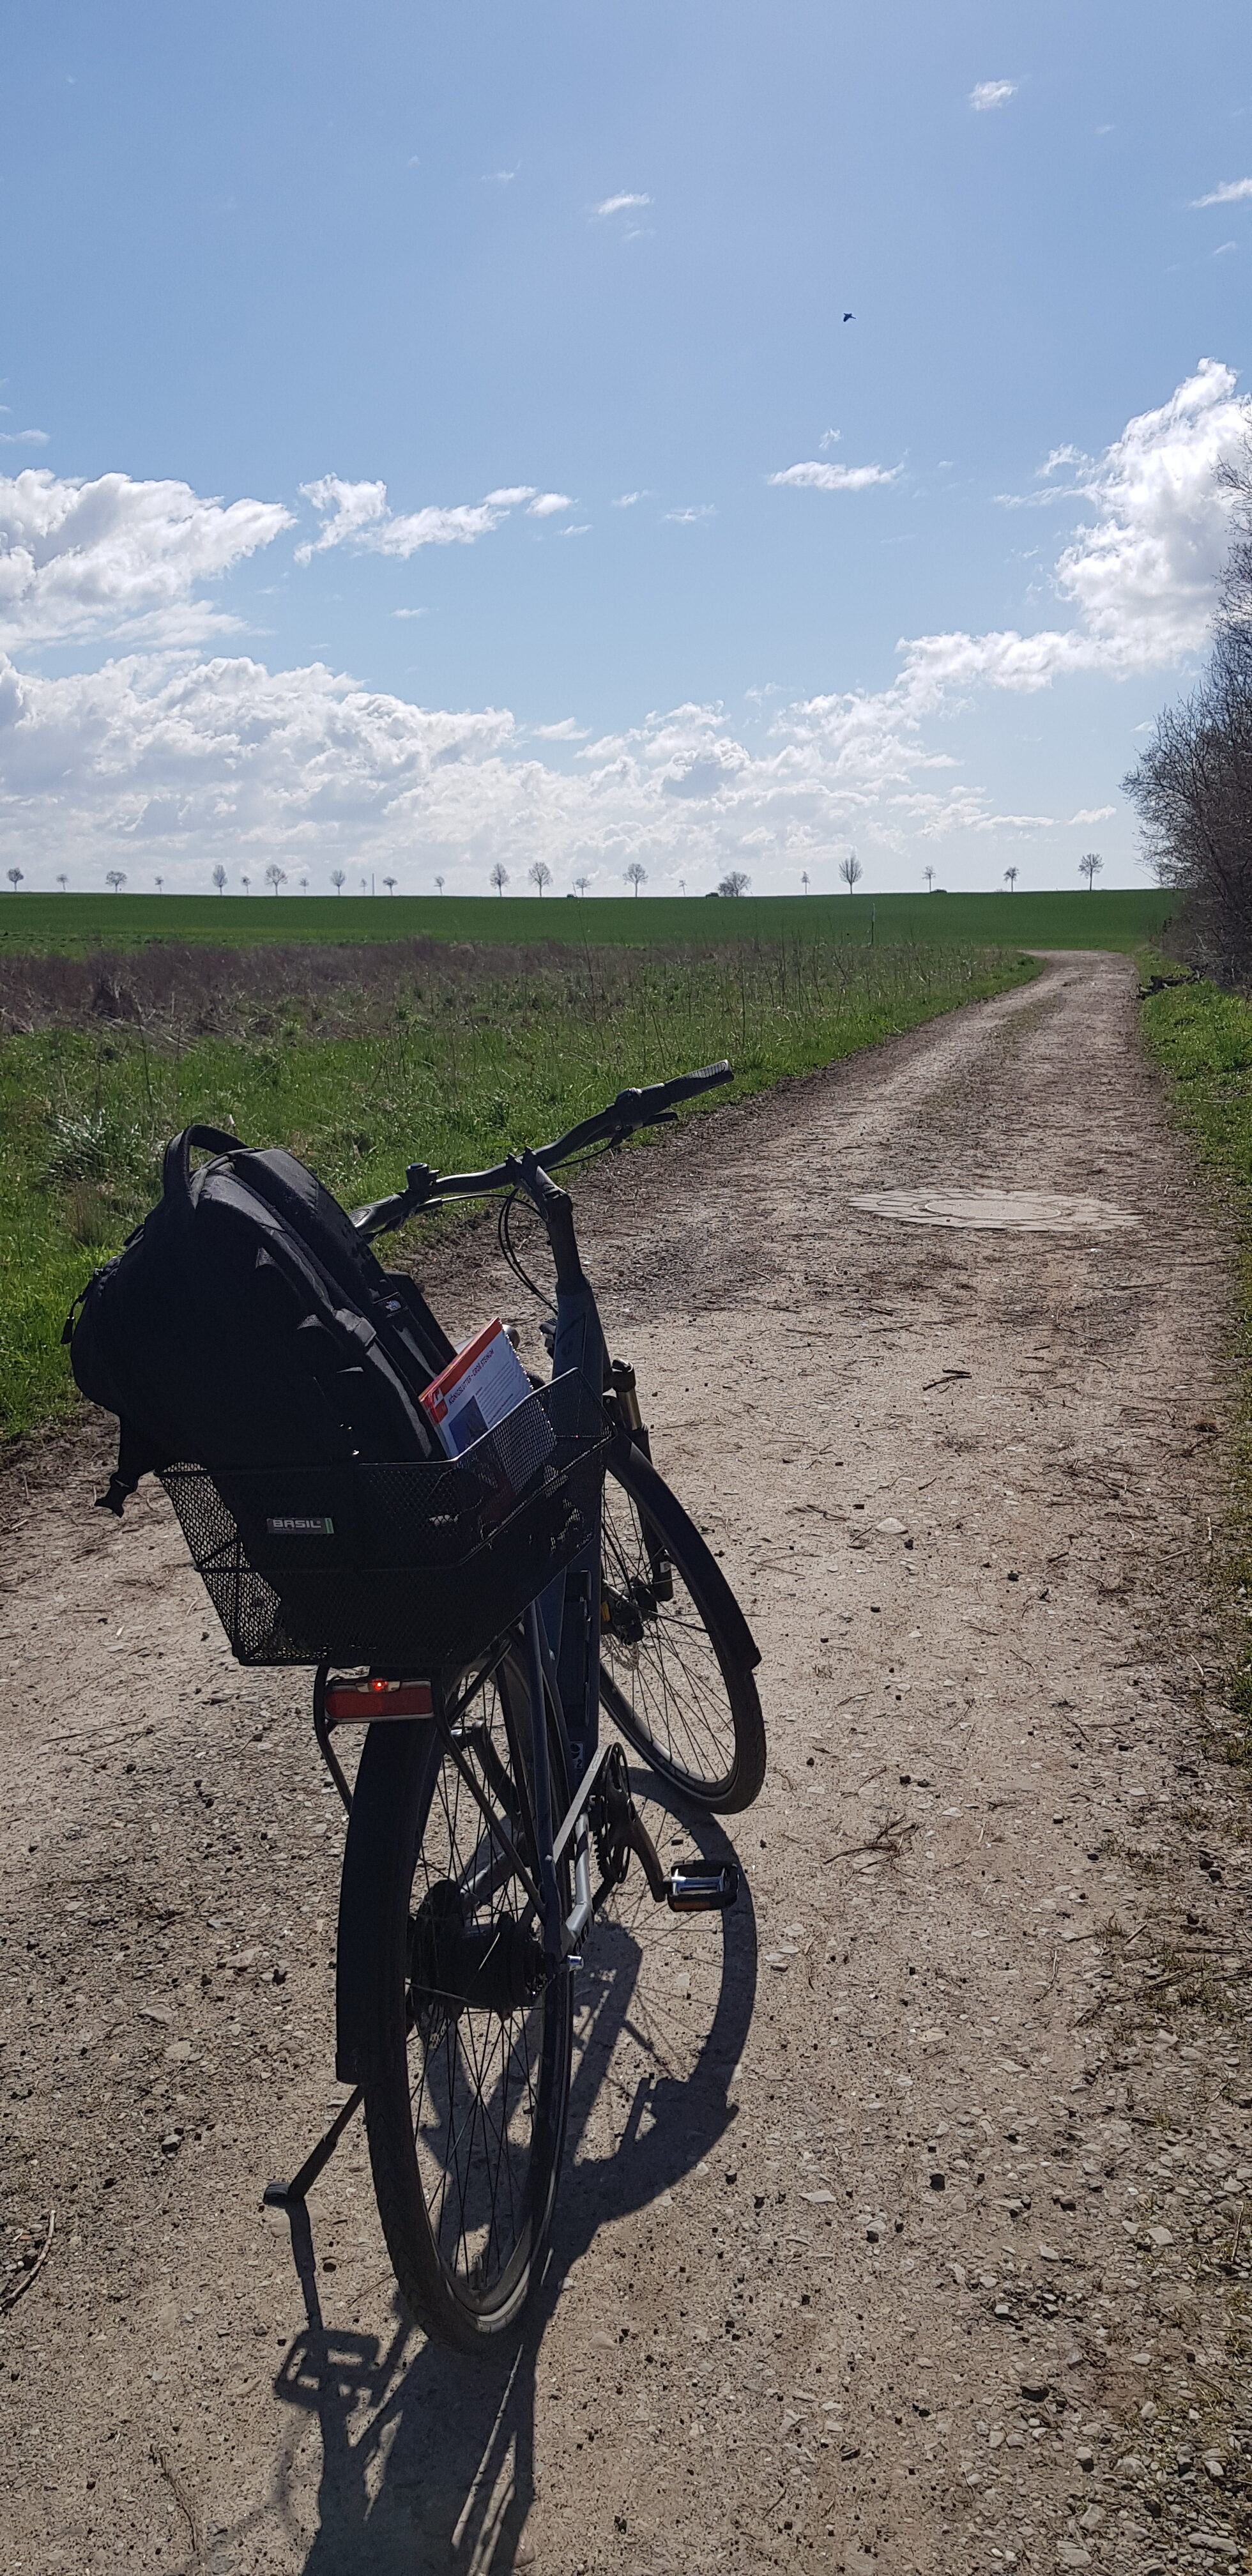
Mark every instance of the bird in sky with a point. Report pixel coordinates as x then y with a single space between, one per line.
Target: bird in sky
849 317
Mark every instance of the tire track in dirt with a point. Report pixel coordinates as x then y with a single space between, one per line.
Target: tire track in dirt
851 2173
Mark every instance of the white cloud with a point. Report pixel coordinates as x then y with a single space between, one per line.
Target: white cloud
1092 814
410 612
357 514
618 205
687 518
626 500
499 178
987 94
582 530
1232 192
1222 248
1141 580
546 504
184 757
814 477
116 557
24 437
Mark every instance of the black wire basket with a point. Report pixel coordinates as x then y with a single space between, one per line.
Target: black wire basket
413 1566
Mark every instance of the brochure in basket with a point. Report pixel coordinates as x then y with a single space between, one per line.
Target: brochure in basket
478 1389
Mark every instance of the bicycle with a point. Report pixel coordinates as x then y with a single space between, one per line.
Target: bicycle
483 1791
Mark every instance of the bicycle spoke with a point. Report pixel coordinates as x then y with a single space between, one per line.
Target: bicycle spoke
474 2088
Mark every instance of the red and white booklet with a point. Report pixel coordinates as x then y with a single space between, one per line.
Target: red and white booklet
478 1389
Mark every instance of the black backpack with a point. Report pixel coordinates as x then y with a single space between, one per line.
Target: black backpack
246 1324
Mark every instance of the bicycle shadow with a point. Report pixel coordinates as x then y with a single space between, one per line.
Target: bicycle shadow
440 2476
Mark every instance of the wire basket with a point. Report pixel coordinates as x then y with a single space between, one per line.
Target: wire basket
414 1565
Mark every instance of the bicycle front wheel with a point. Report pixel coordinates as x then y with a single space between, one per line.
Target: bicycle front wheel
677 1655
462 2050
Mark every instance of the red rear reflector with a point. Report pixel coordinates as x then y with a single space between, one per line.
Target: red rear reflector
377 1698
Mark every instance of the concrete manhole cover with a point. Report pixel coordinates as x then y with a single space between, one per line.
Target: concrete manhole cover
1007 1211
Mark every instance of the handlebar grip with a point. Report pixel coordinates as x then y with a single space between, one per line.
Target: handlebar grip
687 1086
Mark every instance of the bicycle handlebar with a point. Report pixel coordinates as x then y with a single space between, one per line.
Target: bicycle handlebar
650 1107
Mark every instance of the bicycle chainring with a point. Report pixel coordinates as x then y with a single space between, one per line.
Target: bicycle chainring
609 1816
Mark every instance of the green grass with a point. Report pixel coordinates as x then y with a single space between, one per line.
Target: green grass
450 1067
1203 1038
78 923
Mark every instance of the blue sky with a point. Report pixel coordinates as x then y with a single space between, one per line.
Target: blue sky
334 342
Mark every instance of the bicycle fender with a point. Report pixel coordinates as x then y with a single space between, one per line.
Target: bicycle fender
665 1509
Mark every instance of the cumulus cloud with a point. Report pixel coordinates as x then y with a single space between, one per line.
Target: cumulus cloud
356 514
987 94
815 477
546 504
1092 814
620 204
1232 192
24 437
687 518
117 557
1141 579
194 756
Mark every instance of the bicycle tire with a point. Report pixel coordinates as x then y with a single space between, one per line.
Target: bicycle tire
676 1674
449 2092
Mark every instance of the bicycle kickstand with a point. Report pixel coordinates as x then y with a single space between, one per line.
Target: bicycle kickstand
291 2195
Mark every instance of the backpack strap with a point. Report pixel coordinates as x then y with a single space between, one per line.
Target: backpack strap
176 1162
135 1457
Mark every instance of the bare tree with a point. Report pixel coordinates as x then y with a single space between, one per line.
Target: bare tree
636 875
1010 879
682 885
804 879
390 884
275 876
500 878
304 885
582 884
439 883
1089 866
850 870
116 878
64 884
338 879
734 883
540 875
160 885
929 875
15 877
219 877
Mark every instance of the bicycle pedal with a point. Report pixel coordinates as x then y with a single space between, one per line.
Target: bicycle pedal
692 1891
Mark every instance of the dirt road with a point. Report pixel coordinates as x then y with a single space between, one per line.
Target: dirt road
901 2231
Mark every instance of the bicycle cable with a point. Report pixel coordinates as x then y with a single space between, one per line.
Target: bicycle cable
503 1226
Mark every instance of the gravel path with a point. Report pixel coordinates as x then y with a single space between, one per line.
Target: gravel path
902 2226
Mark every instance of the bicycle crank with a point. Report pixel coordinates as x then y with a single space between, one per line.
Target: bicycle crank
618 1830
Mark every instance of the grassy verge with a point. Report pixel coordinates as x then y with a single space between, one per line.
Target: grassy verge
1203 1038
74 924
360 1070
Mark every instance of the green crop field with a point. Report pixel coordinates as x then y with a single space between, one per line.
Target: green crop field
77 924
364 1059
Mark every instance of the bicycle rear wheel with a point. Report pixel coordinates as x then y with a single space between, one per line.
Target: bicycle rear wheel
677 1655
464 2063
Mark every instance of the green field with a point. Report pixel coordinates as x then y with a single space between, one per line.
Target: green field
365 1059
78 923
1203 1038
